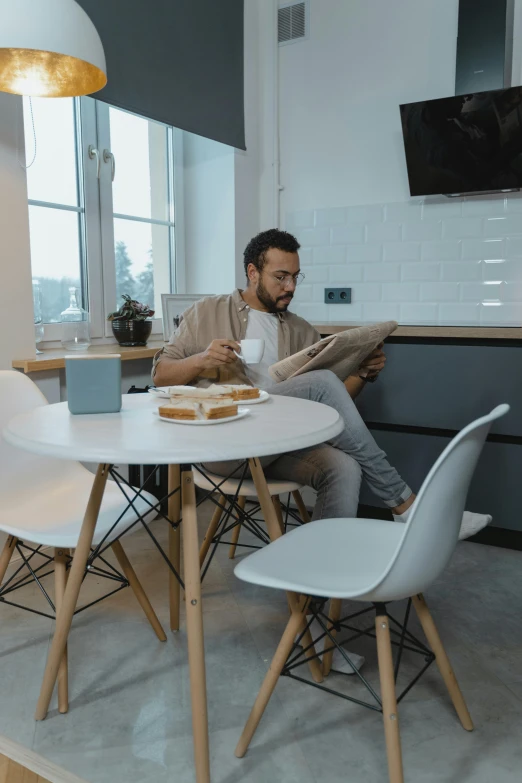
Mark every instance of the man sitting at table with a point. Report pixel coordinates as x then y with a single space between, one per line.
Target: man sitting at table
201 352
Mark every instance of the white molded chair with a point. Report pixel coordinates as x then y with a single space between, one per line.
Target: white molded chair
235 491
376 561
43 501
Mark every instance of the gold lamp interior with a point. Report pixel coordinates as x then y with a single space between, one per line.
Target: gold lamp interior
47 74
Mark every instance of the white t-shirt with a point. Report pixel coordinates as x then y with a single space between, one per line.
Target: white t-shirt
264 326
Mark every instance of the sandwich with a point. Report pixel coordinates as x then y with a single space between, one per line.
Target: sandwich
182 410
218 409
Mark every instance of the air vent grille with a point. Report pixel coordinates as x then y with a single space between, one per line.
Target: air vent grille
292 22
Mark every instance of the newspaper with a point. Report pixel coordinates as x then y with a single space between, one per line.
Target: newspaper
341 353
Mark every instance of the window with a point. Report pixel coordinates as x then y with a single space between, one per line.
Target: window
101 207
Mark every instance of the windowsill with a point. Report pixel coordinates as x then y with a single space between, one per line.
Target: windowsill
54 358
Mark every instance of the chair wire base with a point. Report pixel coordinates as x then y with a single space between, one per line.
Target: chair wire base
21 578
402 639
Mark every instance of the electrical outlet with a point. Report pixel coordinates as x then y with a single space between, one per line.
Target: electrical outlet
338 295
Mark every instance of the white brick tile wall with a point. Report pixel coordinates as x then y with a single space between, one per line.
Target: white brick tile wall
343 235
484 206
442 262
503 226
373 213
346 274
400 292
364 254
439 292
330 217
427 272
441 251
329 255
403 212
303 219
402 251
481 249
459 314
381 312
313 274
384 232
481 292
314 237
441 210
464 270
367 292
422 313
382 273
458 228
427 230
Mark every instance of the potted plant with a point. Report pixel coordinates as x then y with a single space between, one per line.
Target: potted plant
130 324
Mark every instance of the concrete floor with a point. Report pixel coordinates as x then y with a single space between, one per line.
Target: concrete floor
129 717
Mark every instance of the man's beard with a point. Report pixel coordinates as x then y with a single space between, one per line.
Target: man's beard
276 305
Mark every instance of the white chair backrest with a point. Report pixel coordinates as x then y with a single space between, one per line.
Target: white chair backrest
433 527
18 394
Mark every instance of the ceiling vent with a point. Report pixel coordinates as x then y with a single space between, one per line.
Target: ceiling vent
292 23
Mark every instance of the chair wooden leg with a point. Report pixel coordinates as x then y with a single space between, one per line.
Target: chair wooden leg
196 650
389 698
174 505
432 635
60 582
72 590
279 513
274 531
138 590
299 502
267 688
334 616
7 553
211 531
236 531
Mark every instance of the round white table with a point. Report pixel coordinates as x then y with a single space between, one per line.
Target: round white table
137 435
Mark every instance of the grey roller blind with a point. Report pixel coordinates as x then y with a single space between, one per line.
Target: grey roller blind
176 61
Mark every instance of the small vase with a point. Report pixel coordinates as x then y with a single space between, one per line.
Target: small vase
131 332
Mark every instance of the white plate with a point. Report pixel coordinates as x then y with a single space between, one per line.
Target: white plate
242 412
163 393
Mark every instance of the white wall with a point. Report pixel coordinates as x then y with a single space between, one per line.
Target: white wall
342 170
209 216
16 302
340 90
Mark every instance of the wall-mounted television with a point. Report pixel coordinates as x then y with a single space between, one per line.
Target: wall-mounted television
464 144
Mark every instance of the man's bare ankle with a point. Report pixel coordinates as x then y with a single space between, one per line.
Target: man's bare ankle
398 510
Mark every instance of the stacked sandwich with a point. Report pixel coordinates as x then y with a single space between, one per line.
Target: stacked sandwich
188 403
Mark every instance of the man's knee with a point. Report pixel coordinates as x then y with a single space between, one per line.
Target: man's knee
335 467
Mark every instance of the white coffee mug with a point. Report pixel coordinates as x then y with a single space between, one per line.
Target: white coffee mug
251 351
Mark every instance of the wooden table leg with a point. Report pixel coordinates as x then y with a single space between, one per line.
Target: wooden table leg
174 505
60 581
194 609
274 531
72 590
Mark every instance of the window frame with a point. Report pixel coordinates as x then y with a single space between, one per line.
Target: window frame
96 219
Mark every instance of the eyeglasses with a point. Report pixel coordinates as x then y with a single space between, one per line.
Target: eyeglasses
284 280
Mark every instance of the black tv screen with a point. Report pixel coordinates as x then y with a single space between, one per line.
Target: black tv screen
464 144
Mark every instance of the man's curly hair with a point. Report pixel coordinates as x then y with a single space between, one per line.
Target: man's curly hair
257 248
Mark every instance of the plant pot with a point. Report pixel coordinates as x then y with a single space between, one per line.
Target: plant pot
131 332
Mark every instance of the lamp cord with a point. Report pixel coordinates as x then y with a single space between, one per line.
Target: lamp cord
18 138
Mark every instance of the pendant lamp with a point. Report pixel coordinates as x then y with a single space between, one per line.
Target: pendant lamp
50 49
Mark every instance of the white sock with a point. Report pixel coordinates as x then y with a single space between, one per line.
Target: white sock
471 522
339 662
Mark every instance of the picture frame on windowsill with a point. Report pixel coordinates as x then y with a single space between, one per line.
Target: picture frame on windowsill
173 306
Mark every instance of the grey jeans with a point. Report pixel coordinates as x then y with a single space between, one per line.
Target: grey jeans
333 469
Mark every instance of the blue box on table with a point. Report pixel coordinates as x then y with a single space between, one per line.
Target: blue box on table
93 383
